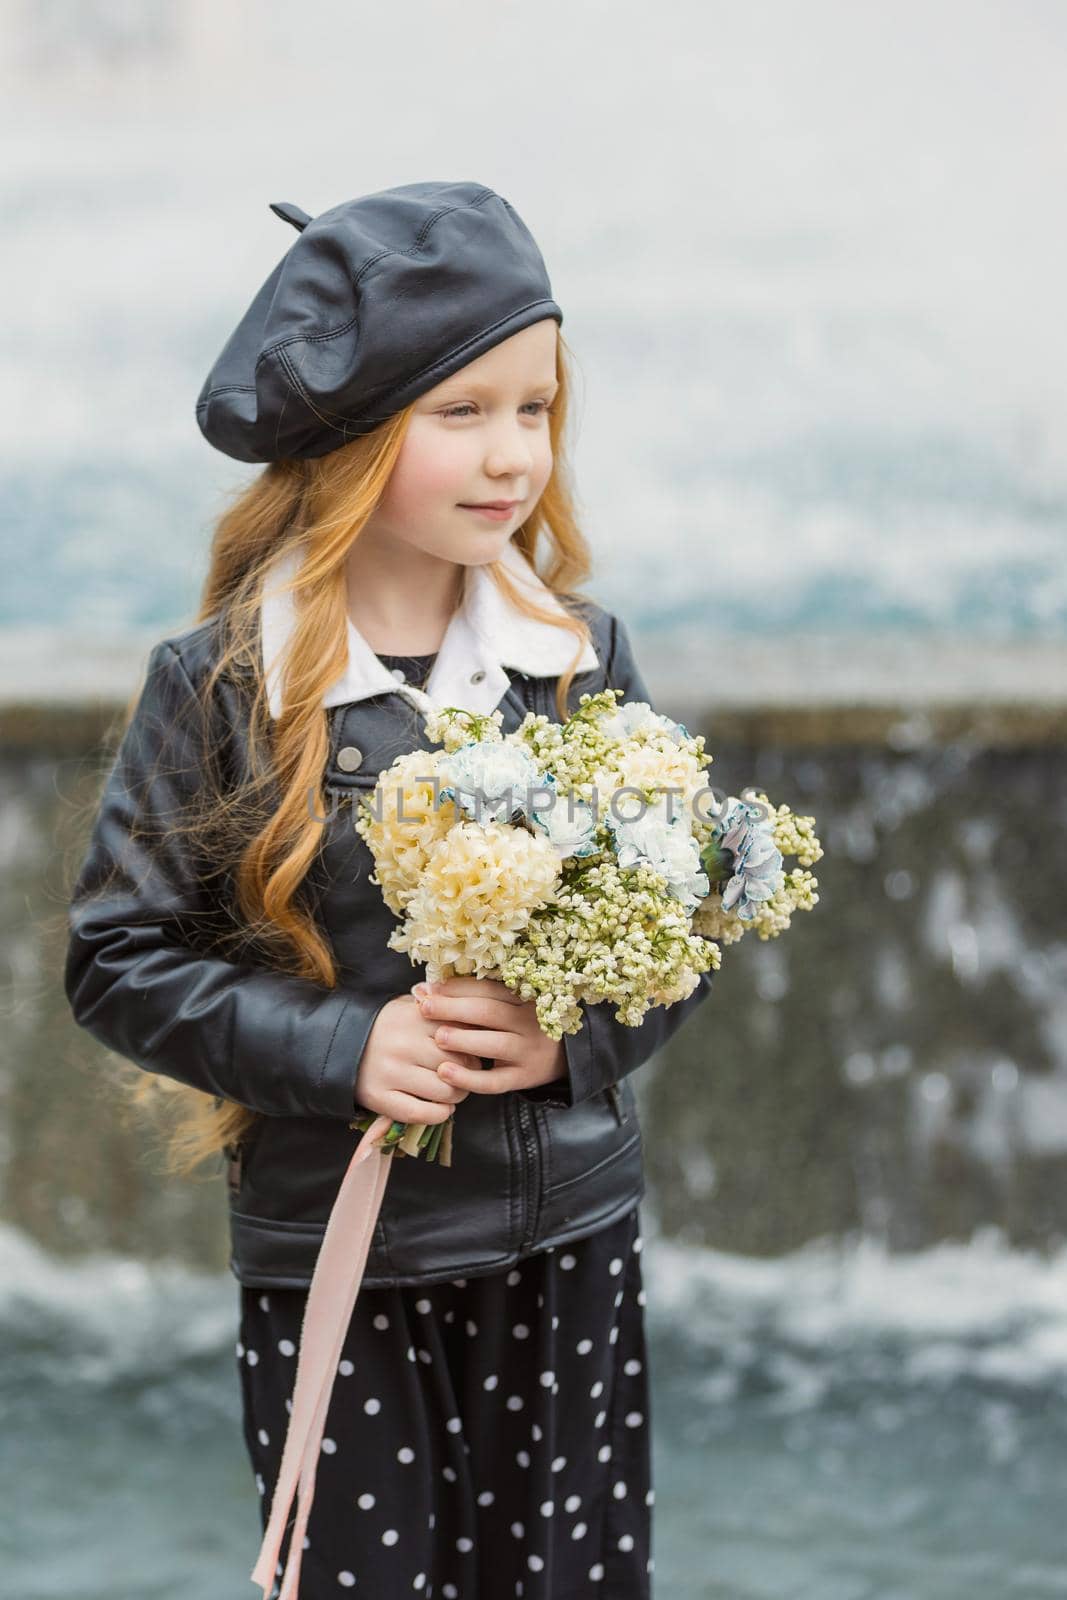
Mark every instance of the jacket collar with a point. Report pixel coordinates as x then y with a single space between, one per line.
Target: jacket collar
483 636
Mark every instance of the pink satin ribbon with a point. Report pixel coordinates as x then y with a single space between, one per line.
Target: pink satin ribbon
335 1284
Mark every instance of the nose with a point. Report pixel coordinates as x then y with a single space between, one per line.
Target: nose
508 454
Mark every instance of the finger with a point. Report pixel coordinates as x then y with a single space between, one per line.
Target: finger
480 1042
498 1080
423 1079
465 984
409 1108
478 1011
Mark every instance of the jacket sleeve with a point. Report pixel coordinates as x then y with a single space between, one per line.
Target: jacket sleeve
135 978
604 1051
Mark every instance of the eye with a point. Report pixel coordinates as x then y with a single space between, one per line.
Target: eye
460 410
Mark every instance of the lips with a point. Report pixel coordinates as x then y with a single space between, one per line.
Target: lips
489 505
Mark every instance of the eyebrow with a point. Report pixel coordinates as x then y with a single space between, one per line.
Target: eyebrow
474 387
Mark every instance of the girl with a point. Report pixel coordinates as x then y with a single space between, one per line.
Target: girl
401 376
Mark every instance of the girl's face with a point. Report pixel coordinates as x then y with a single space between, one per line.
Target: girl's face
480 435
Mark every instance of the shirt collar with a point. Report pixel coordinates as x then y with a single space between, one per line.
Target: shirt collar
486 634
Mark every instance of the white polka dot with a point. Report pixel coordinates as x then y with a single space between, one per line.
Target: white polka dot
450 1591
613 1335
626 1542
490 1382
486 1497
472 1327
520 1331
615 1266
307 1542
454 1425
596 1572
517 1529
650 1498
346 1579
596 1391
535 1431
420 1581
260 1485
460 1283
638 1242
424 1355
433 1519
289 1407
390 1536
365 1502
559 1463
405 1454
449 1473
555 1322
604 1453
411 1352
618 1298
555 1388
514 1276
514 1402
264 1302
422 1305
573 1501
547 1507
631 1368
330 1446
534 1562
372 1406
650 1564
464 1544
263 1436
634 1419
600 1419
522 1457
548 1378
567 1262
619 1491
450 1315
579 1530
584 1346
251 1356
381 1321
640 1297
345 1368
239 1347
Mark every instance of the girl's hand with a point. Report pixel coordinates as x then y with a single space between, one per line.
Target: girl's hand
397 1076
483 1017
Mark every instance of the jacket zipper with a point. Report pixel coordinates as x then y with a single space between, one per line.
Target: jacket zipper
615 1099
531 1172
233 1171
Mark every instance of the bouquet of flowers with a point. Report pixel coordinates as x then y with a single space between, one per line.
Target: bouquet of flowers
497 861
497 856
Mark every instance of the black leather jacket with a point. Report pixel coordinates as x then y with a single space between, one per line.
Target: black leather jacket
529 1168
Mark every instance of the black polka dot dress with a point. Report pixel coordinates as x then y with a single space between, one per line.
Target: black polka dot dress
487 1437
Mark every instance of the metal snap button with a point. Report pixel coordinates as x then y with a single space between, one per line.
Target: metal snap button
476 677
349 758
399 674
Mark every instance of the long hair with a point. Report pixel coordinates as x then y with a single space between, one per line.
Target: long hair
318 508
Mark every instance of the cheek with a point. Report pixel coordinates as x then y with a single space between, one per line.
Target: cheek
427 471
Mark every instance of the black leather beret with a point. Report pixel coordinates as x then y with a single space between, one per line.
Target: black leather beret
378 300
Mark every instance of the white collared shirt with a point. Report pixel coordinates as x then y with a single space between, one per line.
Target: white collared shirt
483 636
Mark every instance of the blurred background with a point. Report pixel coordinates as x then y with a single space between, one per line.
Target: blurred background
811 263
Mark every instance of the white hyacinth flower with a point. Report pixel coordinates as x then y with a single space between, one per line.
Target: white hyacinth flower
506 774
637 716
571 827
667 846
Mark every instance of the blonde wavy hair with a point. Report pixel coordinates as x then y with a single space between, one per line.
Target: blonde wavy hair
262 833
